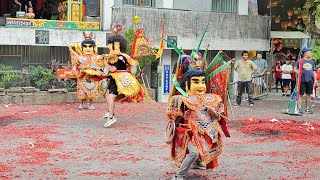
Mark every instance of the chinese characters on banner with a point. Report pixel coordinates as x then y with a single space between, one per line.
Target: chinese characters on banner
42 37
291 43
166 79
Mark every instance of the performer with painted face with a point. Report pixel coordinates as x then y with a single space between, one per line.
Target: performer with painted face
122 83
196 112
90 70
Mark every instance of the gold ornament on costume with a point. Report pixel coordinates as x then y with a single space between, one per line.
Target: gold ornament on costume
117 29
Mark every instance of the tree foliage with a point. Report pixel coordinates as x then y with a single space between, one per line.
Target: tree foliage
316 52
41 77
7 77
312 9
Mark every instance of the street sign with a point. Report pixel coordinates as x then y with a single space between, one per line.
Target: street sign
166 79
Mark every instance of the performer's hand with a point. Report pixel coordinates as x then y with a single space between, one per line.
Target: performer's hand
212 111
170 131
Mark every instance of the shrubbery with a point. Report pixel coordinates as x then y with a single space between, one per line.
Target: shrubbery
7 77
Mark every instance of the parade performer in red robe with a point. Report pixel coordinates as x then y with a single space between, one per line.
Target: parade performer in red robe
196 112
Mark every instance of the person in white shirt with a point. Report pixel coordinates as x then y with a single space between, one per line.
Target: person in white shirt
286 76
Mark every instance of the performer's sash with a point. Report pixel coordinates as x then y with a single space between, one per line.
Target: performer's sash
126 83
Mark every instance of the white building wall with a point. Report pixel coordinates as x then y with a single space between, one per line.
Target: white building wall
243 7
106 14
167 4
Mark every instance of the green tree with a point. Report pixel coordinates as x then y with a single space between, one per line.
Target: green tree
316 52
312 9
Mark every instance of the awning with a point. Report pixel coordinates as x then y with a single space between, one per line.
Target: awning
289 35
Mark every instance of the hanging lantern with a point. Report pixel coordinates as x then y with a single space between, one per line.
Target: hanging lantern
289 23
275 3
136 19
305 17
290 13
277 19
295 21
299 16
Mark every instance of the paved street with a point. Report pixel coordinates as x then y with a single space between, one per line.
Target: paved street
61 142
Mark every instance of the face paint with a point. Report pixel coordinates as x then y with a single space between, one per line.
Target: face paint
197 86
87 49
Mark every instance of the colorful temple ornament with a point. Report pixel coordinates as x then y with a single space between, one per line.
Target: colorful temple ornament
141 46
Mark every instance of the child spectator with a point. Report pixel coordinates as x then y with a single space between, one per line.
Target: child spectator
277 75
30 14
286 76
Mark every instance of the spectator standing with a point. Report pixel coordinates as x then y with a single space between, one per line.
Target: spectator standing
258 75
245 68
20 5
308 77
286 76
293 77
277 73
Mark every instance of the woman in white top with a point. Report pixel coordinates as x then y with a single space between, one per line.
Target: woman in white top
286 76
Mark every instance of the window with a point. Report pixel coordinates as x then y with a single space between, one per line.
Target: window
143 3
230 6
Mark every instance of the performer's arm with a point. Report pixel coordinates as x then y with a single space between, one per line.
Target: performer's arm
111 68
75 64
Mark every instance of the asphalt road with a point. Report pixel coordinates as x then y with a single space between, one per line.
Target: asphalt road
60 142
